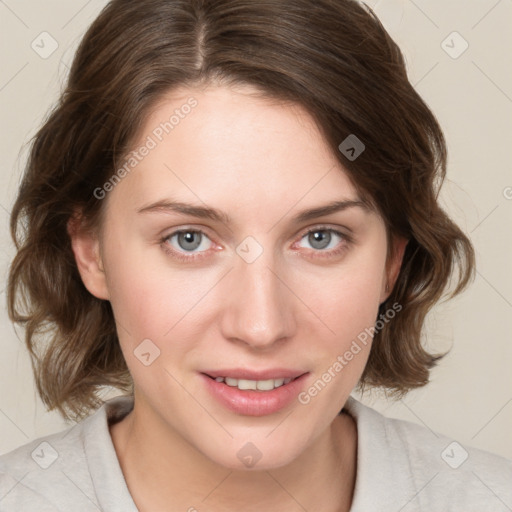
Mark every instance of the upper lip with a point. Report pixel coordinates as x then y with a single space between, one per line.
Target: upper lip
269 373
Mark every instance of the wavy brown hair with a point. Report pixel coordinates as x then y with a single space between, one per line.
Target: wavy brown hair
334 58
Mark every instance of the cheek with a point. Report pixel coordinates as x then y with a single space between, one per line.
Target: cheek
135 288
347 297
151 299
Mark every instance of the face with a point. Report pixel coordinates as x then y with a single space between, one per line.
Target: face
242 284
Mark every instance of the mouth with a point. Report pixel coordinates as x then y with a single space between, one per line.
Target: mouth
250 393
254 384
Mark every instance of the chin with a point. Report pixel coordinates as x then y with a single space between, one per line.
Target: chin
246 455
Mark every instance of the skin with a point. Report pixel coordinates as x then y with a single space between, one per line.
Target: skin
296 306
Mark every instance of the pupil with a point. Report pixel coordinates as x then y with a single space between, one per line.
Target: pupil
187 242
321 239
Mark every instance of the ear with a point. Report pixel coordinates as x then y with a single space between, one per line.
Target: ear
86 248
393 266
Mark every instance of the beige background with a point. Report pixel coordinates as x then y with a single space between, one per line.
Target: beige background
470 396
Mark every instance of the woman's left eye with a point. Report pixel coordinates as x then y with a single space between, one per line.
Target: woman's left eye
323 239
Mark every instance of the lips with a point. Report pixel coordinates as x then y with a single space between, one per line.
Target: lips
244 399
246 374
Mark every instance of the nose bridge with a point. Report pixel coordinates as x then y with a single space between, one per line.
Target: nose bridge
260 309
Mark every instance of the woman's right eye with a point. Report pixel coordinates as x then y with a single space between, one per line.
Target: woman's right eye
186 241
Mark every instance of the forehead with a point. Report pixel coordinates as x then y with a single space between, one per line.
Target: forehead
233 146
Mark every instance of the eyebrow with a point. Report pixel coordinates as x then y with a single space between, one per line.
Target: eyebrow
205 212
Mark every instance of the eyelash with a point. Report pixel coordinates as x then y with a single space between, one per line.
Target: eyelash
346 240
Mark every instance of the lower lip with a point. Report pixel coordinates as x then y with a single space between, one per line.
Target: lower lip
254 403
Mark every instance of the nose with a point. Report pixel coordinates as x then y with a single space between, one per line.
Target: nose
259 307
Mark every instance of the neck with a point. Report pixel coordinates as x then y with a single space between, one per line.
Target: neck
163 468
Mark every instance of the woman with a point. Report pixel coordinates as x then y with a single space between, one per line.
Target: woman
232 216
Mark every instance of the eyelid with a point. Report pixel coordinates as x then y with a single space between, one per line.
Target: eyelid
324 227
185 229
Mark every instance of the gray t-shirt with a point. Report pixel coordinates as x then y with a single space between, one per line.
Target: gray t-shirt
401 467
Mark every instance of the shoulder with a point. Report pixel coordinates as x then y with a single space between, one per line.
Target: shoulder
31 474
53 472
419 469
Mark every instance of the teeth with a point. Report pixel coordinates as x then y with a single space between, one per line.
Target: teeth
260 385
